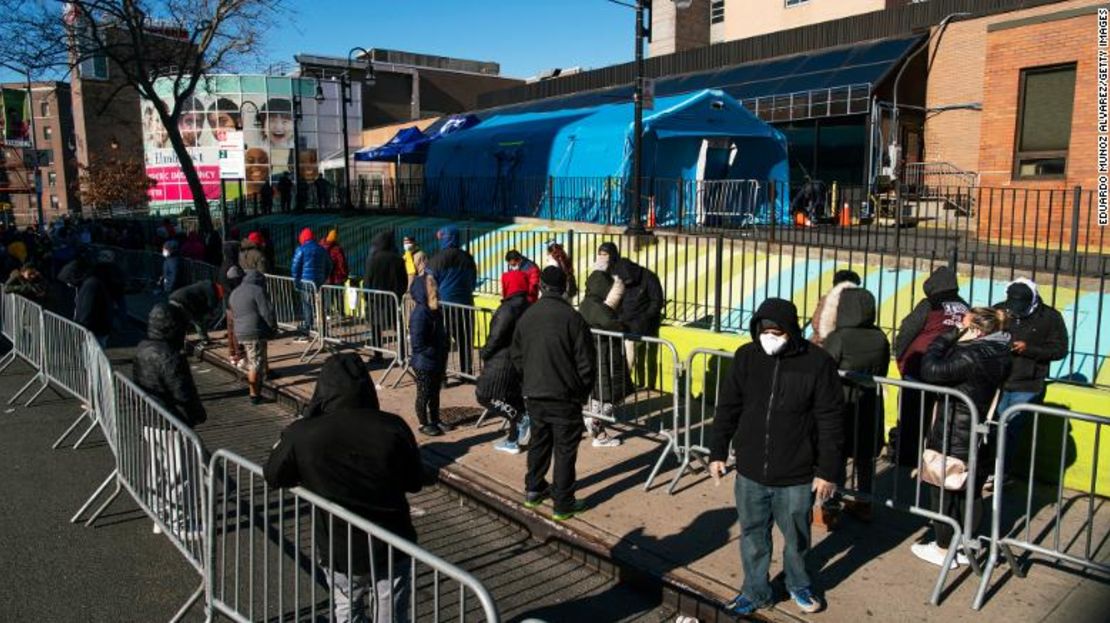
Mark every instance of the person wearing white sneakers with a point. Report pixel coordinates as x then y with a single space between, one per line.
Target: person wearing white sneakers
976 361
613 383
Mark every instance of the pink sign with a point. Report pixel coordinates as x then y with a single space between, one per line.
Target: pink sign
171 184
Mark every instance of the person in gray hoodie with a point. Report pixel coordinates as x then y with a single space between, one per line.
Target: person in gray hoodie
255 322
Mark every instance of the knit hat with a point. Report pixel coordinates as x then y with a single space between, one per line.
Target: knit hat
255 238
306 235
333 235
553 280
843 275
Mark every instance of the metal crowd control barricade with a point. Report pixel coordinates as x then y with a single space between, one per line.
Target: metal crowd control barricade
66 355
634 374
364 318
1063 538
705 370
467 327
274 552
25 317
294 313
163 465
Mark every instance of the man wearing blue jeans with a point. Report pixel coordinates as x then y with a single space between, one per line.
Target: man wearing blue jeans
311 266
1039 337
780 408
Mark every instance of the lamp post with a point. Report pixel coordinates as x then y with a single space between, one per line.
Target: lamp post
297 186
635 224
345 86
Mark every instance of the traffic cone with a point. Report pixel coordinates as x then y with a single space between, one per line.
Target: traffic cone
845 216
651 215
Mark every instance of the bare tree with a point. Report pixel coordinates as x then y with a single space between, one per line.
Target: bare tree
149 43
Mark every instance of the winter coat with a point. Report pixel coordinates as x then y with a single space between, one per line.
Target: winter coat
113 278
499 380
355 455
213 248
643 303
93 308
230 259
410 263
193 247
427 335
454 269
554 353
857 345
160 369
311 263
1046 340
385 269
31 289
978 368
254 314
532 272
338 260
941 310
782 413
173 273
197 300
613 381
252 257
824 316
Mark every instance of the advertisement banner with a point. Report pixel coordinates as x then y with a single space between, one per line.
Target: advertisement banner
15 117
232 156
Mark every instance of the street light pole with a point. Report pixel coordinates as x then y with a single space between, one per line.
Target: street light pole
635 226
345 86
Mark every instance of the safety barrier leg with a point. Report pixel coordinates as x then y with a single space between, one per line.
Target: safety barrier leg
96 494
85 435
86 413
405 370
667 449
197 594
38 392
7 360
39 377
388 370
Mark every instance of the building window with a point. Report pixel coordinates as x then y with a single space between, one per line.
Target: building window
717 12
47 133
54 201
1044 122
790 3
44 109
52 179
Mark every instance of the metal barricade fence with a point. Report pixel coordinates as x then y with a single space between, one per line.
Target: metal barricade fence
1050 502
363 318
26 328
162 463
638 383
7 316
705 369
297 307
66 356
277 553
467 327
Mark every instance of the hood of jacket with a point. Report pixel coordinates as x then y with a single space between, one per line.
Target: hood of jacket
384 242
255 278
598 285
611 250
856 309
247 244
941 285
74 273
344 383
1036 295
424 292
165 324
448 237
783 313
171 246
827 322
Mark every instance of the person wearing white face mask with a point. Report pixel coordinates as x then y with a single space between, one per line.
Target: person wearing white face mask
173 277
780 409
411 249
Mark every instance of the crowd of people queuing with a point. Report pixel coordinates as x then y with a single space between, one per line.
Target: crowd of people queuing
786 417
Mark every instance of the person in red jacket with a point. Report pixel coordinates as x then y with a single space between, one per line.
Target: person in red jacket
516 261
339 271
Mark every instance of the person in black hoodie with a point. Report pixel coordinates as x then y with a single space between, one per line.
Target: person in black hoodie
385 271
93 304
940 311
554 353
641 310
781 409
858 346
1039 338
598 308
198 302
498 388
974 360
350 452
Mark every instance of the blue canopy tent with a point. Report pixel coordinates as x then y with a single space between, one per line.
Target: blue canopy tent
410 145
512 154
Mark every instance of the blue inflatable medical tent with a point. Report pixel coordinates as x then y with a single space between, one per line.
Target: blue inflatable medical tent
507 159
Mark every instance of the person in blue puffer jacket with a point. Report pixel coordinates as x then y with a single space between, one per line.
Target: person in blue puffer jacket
311 264
456 275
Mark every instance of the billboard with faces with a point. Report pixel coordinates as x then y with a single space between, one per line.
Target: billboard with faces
263 108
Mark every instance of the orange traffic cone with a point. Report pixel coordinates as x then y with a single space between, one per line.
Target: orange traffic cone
845 216
651 215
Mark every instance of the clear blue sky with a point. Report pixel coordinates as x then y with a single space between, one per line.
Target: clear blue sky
524 36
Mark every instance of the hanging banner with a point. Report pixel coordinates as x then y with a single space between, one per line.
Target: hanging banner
15 115
232 156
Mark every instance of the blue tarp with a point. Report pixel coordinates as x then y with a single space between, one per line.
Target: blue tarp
517 151
410 145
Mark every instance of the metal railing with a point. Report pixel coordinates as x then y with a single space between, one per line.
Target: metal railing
277 553
1064 538
23 320
297 308
67 350
365 319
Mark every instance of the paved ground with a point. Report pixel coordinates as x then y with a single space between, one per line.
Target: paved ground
119 571
866 570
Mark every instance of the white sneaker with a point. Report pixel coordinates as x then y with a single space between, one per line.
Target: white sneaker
932 554
605 441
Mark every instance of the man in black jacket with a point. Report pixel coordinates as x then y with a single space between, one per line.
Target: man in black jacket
385 271
498 388
93 304
641 310
198 302
780 408
1039 338
350 452
553 351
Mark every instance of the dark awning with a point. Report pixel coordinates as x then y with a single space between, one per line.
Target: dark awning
410 145
823 83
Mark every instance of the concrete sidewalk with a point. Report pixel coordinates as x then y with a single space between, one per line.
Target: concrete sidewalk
866 569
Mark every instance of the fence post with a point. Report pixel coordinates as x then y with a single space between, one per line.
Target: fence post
1076 200
680 194
954 258
718 283
773 205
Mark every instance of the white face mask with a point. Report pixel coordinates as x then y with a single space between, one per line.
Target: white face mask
601 263
408 246
165 252
772 343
